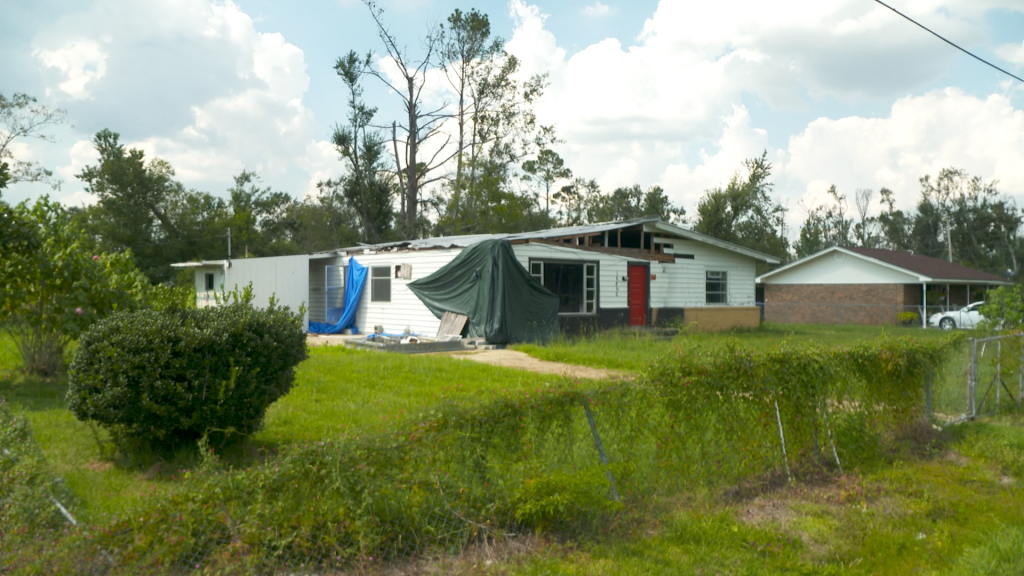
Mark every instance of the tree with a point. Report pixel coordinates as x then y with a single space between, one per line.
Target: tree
894 225
969 216
141 207
52 291
324 221
422 125
865 231
21 116
744 212
496 128
259 218
825 226
584 203
466 55
490 206
367 186
132 207
547 169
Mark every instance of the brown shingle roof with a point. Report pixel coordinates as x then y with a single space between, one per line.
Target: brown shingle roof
935 268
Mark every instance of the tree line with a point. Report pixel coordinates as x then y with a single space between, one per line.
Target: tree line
479 163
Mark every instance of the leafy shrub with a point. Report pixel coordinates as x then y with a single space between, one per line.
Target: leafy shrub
908 318
167 376
53 284
1004 308
561 499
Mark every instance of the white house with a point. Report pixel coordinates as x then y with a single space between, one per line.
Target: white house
639 272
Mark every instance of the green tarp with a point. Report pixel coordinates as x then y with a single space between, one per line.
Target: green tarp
486 283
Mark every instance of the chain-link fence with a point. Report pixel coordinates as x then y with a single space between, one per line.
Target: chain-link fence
981 376
563 458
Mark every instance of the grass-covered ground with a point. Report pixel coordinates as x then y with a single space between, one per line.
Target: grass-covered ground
949 503
629 350
337 390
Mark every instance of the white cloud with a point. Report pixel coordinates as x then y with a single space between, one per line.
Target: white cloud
1011 53
82 153
79 199
921 135
640 113
81 62
219 96
597 10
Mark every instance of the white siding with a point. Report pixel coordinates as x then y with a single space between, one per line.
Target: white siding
840 268
205 297
682 285
405 312
678 285
285 277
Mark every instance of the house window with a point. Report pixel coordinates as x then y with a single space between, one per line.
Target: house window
209 281
716 287
380 284
575 284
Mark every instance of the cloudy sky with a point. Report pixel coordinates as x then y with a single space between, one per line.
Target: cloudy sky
676 92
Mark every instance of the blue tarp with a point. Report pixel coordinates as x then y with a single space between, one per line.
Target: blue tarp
355 279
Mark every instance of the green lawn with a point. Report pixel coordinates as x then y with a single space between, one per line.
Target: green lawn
953 505
627 350
337 390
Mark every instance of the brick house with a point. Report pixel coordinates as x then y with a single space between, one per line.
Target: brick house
842 285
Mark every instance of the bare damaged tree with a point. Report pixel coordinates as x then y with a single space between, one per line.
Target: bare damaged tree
21 116
864 229
421 125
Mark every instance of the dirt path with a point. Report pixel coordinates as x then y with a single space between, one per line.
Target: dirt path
523 361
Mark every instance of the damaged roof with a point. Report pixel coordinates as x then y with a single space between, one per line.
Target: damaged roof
648 224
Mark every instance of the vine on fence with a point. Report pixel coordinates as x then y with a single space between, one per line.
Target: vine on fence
465 472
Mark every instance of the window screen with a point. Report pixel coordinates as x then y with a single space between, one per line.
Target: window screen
380 284
716 287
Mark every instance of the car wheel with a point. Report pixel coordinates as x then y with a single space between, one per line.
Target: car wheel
947 324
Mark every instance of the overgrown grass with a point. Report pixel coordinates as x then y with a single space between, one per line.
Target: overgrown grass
629 350
337 390
949 510
870 522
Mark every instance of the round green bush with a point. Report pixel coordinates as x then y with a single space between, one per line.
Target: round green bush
169 376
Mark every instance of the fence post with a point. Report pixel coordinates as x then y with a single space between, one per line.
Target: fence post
972 380
782 437
600 448
828 427
1020 371
928 395
999 370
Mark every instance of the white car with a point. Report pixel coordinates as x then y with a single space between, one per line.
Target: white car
966 317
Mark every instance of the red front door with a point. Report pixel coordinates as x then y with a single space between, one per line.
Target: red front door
637 295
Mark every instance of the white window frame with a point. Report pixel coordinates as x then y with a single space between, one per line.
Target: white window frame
723 279
589 296
387 268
